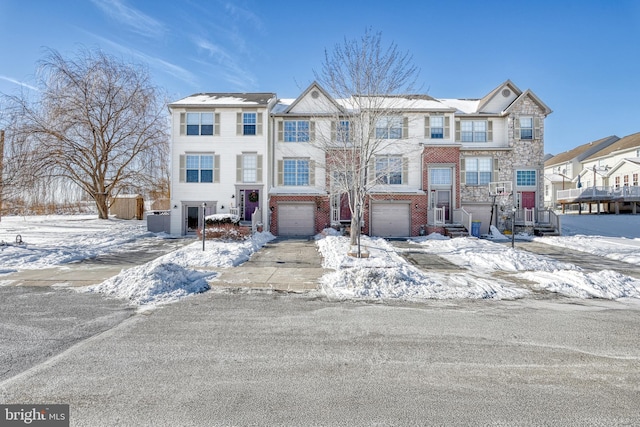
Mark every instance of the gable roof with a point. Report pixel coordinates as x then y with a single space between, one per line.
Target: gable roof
534 98
627 143
634 161
581 152
225 99
489 97
313 86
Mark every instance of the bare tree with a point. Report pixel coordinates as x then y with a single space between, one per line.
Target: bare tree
363 76
98 122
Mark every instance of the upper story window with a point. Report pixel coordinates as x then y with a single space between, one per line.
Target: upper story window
249 123
526 127
389 169
199 124
526 178
200 168
341 131
296 131
477 170
440 176
473 131
296 172
249 167
436 126
390 127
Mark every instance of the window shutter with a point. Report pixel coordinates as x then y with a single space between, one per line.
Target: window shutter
239 168
312 131
239 124
427 127
183 124
536 128
280 131
312 172
463 172
457 130
334 136
259 124
183 168
447 132
494 175
280 172
405 170
405 127
516 128
216 130
259 169
489 130
216 168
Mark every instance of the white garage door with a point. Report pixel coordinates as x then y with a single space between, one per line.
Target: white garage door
390 220
296 219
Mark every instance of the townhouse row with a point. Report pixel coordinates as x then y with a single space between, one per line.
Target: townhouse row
443 161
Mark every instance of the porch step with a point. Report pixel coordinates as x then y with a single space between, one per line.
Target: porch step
455 230
545 231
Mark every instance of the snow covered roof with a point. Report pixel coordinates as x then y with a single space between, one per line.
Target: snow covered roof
226 99
465 106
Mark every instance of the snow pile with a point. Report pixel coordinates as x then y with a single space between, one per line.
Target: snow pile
495 234
385 275
180 273
602 284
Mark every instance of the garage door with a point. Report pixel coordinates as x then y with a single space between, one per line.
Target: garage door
296 219
390 220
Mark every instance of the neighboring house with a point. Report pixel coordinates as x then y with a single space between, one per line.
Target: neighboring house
561 171
609 178
218 153
445 160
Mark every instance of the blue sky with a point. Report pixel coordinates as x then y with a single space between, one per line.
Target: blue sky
580 57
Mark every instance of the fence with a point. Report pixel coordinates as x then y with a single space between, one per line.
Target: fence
159 221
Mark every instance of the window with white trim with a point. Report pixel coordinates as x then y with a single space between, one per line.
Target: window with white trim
249 121
199 123
249 168
295 172
478 170
343 131
526 178
389 169
389 127
625 180
473 130
199 168
440 176
436 125
635 179
617 181
526 127
296 131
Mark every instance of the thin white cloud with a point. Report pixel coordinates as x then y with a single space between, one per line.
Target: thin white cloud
19 83
133 18
244 15
228 66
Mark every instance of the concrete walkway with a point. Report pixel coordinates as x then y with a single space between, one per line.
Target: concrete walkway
291 265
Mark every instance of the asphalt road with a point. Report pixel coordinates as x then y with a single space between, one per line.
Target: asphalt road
267 358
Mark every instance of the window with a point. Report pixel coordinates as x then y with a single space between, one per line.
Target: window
440 176
199 123
617 182
249 168
296 172
436 124
526 178
249 123
342 130
473 130
625 180
526 127
296 131
635 179
199 168
389 128
478 170
389 170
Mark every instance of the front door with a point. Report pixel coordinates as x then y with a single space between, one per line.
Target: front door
345 211
192 219
251 202
528 199
443 200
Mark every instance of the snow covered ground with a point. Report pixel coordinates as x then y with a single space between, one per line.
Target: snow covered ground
488 269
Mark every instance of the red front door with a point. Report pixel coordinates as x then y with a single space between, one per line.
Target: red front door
528 200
